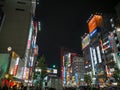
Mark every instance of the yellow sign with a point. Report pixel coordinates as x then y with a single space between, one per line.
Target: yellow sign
14 55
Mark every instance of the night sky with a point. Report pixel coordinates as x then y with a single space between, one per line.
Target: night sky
63 23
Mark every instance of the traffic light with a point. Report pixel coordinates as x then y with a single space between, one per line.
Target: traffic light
118 54
54 66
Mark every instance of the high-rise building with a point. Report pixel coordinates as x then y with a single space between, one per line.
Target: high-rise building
15 25
78 70
18 29
71 69
102 47
86 53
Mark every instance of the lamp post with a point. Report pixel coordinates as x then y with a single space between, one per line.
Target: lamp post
9 49
6 76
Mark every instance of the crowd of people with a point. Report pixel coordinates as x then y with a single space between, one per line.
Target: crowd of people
7 84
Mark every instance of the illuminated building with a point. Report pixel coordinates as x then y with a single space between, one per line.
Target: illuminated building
78 70
67 71
86 53
18 29
101 45
15 25
94 24
63 52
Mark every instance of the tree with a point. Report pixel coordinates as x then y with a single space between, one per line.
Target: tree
116 74
87 79
41 64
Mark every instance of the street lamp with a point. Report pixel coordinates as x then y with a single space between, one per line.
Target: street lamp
53 66
118 29
9 49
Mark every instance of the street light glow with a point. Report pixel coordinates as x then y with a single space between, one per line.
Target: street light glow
38 70
118 29
9 48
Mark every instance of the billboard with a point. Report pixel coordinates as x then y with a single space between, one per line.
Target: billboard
4 60
92 60
96 21
85 41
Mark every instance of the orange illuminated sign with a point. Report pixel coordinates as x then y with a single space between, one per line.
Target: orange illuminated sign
96 21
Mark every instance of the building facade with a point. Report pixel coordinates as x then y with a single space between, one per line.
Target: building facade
18 30
78 70
103 47
15 25
72 70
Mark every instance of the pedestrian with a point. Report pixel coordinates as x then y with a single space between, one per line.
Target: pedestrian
25 88
5 87
5 84
14 87
22 86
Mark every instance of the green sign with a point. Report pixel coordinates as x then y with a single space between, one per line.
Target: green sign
4 59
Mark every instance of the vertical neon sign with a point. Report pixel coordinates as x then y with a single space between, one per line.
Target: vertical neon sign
98 53
91 54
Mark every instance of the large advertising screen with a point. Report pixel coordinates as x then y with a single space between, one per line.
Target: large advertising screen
95 21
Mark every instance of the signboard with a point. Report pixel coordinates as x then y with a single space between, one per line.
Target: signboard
85 41
52 70
96 21
4 59
16 66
